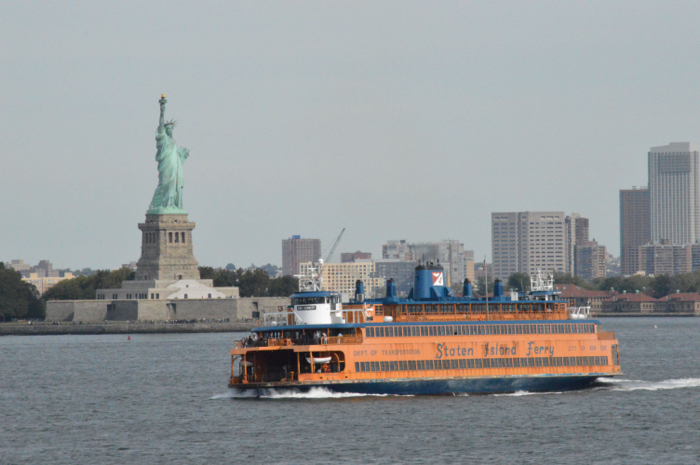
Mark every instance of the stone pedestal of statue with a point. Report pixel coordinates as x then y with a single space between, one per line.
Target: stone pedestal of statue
166 249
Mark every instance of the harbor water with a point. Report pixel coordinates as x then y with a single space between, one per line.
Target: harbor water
163 399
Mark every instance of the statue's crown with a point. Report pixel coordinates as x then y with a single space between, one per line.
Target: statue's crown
172 123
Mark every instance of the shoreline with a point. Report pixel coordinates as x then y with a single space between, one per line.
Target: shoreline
49 329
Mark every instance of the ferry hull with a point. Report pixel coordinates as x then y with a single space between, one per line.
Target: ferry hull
485 385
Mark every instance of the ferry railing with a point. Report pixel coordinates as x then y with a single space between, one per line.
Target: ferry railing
493 316
307 341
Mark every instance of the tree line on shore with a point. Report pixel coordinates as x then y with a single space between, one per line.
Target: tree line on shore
21 300
654 286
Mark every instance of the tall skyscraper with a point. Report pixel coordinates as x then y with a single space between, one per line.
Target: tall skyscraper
590 260
576 233
634 227
673 193
527 241
296 251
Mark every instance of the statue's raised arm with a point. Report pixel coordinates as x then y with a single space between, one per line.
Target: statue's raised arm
161 124
167 198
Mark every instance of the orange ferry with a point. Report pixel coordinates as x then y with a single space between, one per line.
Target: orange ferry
429 343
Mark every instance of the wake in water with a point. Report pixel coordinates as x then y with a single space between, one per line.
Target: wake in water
314 393
526 393
640 385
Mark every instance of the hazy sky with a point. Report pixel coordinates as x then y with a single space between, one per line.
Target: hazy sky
396 120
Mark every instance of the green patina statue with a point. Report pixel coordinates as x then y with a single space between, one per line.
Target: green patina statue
168 196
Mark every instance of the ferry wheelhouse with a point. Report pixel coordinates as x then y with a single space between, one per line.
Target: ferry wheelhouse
429 343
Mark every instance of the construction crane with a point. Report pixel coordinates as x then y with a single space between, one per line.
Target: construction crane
337 241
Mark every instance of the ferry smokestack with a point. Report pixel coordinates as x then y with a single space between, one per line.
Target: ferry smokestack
467 291
429 282
391 289
359 291
497 289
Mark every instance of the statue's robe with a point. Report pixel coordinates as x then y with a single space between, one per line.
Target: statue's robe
170 157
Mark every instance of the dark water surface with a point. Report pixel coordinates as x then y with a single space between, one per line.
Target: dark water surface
164 399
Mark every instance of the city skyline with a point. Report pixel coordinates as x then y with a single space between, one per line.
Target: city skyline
454 110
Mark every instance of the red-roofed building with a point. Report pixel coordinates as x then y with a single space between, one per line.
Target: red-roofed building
580 297
632 303
681 303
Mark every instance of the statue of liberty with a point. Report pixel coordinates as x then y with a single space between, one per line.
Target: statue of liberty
168 195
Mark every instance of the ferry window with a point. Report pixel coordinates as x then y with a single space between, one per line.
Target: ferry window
540 329
369 332
412 365
384 366
566 361
531 362
511 329
487 329
504 329
403 365
481 330
420 364
486 362
574 329
546 329
454 363
462 363
441 330
579 362
477 363
450 331
470 363
393 366
516 362
509 362
357 366
561 329
606 359
526 329
415 330
567 328
473 329
423 330
428 364
432 330
545 362
538 361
